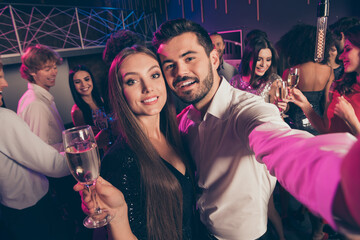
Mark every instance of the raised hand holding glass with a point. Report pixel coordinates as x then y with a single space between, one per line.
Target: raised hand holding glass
84 163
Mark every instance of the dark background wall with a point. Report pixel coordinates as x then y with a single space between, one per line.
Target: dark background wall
276 16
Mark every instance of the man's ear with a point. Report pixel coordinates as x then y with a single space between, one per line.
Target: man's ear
214 58
33 74
342 36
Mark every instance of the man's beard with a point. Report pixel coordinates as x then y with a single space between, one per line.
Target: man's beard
205 86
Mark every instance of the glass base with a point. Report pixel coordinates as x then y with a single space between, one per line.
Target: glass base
98 219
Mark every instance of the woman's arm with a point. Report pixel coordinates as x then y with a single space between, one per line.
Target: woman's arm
77 116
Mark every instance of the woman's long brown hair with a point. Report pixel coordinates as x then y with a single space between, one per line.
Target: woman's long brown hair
163 191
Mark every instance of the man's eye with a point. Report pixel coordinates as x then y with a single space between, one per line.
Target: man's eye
189 59
170 66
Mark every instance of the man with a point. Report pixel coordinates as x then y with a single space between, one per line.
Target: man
224 69
26 208
224 129
37 106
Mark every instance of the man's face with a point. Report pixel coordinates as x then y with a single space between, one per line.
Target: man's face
3 84
188 70
219 44
46 76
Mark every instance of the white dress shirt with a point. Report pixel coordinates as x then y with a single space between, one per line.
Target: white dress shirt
25 160
38 109
235 187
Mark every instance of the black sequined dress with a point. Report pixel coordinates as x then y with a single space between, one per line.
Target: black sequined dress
120 168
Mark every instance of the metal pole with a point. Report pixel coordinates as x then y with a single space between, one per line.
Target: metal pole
122 19
79 28
15 29
156 26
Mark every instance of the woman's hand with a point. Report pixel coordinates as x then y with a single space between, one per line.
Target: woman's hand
110 199
277 95
343 109
282 105
297 97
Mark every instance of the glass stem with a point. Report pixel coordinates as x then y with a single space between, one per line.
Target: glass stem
97 209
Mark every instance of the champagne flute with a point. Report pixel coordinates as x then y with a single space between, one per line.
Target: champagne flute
293 77
84 163
281 93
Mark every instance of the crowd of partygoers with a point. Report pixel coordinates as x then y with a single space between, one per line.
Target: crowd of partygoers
190 146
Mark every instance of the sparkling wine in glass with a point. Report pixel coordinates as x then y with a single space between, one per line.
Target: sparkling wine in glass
293 77
282 93
84 163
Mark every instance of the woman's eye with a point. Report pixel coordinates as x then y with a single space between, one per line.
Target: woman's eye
87 79
155 75
130 82
76 82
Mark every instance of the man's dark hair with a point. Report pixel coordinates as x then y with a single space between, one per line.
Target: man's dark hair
216 34
174 28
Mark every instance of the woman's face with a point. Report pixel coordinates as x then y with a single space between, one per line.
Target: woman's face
83 83
333 53
263 62
351 57
143 84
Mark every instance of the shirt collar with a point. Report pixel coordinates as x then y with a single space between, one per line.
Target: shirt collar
40 91
218 106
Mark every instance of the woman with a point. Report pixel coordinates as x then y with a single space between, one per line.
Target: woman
343 110
297 47
86 96
147 163
87 99
257 74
